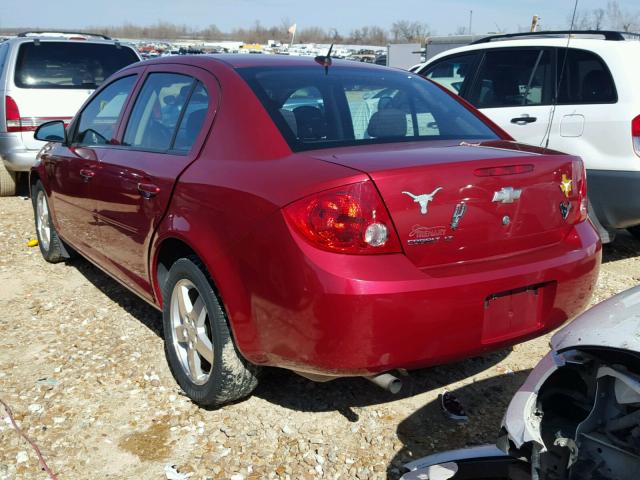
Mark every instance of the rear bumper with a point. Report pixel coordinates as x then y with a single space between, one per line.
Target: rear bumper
15 156
615 197
357 315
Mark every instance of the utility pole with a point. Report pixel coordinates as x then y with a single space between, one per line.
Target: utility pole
534 23
470 21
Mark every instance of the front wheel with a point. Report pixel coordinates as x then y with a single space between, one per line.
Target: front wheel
635 231
198 344
48 240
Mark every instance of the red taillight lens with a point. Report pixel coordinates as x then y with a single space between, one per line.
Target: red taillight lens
580 174
635 134
350 219
16 123
12 114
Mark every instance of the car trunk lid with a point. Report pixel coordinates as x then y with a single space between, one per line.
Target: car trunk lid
453 202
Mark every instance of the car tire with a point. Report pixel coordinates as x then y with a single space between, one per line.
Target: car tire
199 346
7 182
635 231
51 246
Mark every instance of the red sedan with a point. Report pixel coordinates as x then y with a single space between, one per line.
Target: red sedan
335 220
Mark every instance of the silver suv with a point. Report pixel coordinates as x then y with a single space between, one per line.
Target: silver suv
47 76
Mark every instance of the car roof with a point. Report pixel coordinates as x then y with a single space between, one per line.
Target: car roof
247 60
597 45
65 39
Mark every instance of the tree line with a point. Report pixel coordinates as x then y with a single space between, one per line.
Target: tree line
403 31
612 17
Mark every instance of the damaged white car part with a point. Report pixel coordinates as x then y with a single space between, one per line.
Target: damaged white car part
577 417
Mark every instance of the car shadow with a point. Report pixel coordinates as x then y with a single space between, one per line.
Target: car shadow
289 390
428 431
128 301
624 246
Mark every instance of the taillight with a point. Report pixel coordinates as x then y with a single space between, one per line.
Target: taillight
635 134
16 123
583 201
350 219
12 115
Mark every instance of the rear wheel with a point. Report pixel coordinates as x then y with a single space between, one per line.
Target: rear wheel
198 344
7 182
50 244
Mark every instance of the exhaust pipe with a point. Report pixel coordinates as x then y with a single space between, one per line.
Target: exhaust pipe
387 381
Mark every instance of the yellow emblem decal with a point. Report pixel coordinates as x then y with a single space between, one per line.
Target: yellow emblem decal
565 185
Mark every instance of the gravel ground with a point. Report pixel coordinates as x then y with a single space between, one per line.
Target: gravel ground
82 367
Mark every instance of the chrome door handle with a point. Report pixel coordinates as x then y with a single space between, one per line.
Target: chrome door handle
87 174
148 190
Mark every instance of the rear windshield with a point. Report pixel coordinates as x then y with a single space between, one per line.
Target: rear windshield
69 64
353 106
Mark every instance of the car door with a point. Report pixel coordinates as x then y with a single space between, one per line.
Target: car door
71 167
514 88
589 120
164 133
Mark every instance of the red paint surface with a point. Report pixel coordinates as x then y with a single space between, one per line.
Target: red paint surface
293 305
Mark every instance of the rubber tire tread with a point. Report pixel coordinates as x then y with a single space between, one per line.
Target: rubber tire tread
7 182
55 253
233 377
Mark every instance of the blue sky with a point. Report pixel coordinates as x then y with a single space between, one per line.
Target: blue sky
443 16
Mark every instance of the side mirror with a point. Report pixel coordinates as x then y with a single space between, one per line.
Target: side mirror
53 131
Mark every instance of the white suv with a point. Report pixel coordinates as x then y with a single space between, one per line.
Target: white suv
46 76
513 80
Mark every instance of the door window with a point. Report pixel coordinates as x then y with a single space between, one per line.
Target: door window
4 49
192 119
98 121
451 72
585 79
509 78
157 110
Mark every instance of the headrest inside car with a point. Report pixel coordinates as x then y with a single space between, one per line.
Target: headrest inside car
386 123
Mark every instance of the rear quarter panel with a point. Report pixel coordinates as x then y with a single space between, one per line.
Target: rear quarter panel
244 175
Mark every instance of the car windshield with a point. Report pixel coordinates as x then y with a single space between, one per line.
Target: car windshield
69 65
353 106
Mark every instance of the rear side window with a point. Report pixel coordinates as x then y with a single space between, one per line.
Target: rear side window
451 72
352 106
69 65
192 119
157 111
585 79
513 77
99 119
4 49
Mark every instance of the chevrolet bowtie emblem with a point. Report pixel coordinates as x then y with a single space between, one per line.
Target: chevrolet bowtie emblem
565 185
507 195
424 199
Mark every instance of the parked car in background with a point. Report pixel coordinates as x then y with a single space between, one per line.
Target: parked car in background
46 76
577 417
512 79
280 216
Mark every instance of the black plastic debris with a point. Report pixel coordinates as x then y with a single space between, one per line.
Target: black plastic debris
452 408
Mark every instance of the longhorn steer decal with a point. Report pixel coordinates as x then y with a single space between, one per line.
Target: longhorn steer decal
424 199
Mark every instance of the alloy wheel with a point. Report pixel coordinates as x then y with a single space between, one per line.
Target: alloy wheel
42 218
192 340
